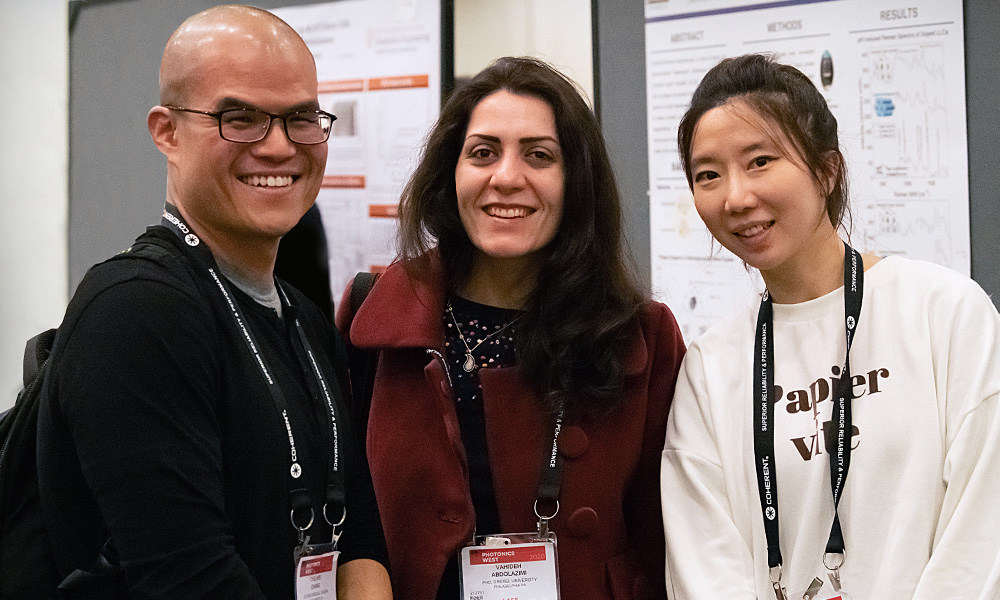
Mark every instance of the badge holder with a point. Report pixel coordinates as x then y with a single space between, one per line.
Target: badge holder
511 565
316 564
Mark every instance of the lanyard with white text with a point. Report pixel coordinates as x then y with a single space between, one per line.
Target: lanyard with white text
763 391
299 497
551 479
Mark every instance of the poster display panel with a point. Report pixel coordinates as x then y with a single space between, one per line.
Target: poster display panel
379 69
893 75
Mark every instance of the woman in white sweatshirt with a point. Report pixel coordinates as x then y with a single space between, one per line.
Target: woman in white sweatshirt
855 382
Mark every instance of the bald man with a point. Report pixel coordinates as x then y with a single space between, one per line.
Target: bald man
193 431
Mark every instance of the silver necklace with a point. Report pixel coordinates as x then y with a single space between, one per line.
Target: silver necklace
470 362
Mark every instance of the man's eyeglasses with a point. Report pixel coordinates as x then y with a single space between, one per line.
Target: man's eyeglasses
244 125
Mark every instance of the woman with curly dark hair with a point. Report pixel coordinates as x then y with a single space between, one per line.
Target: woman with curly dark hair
523 377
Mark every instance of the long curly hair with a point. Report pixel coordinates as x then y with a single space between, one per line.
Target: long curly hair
573 337
785 97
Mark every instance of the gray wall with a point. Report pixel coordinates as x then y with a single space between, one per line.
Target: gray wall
118 179
982 63
620 101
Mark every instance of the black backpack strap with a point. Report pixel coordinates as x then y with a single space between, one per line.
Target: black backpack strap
362 363
363 283
36 352
23 531
25 560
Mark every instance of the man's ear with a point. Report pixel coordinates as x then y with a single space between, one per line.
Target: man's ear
163 129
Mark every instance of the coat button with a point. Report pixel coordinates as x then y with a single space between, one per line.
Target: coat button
582 523
573 441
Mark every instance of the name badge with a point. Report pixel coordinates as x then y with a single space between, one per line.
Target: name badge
506 566
316 577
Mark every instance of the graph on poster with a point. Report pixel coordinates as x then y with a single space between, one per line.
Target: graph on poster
905 111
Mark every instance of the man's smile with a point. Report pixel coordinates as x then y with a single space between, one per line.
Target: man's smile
268 180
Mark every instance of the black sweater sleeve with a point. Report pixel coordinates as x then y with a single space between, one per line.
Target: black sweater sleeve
135 389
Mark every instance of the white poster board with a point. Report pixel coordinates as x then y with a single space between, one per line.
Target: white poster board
893 75
379 68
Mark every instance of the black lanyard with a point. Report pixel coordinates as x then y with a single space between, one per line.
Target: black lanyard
550 481
763 391
298 496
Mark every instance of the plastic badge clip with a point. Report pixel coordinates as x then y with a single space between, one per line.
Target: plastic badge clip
300 548
813 589
543 521
834 576
494 541
779 592
543 528
303 538
834 573
336 532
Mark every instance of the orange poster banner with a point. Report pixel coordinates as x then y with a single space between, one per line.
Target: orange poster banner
344 85
388 211
398 83
350 182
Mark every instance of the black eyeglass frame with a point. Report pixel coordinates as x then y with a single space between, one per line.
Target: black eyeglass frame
270 120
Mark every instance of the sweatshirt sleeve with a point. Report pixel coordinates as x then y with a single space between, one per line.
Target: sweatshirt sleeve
707 557
965 557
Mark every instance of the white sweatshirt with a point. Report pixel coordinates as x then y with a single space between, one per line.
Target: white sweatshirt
920 512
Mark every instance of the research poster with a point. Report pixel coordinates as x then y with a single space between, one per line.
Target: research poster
892 72
379 68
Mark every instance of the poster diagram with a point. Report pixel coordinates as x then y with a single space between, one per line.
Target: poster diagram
905 111
894 78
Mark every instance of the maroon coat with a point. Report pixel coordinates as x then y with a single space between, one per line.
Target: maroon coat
609 526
